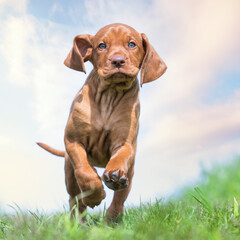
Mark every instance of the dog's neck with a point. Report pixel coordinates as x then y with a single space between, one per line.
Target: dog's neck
99 86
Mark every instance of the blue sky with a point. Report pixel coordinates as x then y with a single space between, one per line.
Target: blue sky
189 118
227 84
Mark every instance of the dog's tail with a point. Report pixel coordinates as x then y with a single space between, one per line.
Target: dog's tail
51 150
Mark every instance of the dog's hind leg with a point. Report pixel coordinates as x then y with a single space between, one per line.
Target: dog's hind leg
75 203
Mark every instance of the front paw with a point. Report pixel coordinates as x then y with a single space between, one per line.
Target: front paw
115 180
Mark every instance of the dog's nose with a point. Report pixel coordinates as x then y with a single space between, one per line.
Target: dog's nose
118 61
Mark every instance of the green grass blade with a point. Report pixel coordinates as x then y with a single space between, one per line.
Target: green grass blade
203 201
235 208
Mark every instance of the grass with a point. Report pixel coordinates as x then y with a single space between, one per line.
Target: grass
209 211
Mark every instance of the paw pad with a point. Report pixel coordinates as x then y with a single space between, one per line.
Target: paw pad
115 180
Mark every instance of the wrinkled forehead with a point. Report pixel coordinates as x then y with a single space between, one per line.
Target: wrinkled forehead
117 31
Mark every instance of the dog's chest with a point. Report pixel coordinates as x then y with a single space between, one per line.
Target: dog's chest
101 125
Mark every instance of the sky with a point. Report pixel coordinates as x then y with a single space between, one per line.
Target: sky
190 117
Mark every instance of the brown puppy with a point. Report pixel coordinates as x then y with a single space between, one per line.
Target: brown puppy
103 124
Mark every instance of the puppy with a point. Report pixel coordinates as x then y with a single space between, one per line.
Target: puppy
103 124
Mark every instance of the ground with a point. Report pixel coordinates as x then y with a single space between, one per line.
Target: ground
208 210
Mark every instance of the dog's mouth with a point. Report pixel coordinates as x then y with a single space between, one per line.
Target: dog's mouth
118 77
118 74
119 80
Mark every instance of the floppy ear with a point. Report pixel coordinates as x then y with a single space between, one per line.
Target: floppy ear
80 53
153 66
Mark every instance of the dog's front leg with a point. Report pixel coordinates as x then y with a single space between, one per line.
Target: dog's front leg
115 210
116 172
87 178
118 176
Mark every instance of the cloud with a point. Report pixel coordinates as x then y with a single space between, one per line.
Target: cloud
16 33
27 176
16 6
195 128
33 51
204 41
181 129
107 12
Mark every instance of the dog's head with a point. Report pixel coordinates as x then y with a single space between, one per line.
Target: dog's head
117 52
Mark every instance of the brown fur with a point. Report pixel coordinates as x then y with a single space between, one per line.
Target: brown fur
103 123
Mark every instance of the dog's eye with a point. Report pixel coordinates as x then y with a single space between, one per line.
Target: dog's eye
102 46
131 45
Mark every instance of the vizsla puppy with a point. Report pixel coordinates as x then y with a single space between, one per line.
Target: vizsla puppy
103 123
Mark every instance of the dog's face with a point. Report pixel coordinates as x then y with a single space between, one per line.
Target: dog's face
117 52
